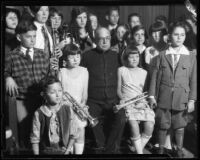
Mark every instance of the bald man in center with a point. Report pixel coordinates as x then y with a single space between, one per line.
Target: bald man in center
102 64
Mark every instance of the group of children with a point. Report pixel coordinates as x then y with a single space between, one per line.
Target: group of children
31 72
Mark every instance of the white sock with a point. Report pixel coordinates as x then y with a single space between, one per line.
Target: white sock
168 142
78 148
144 140
138 145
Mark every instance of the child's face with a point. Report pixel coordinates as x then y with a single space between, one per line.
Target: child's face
139 37
11 20
73 60
178 37
28 39
156 36
56 21
120 33
94 22
133 60
113 17
54 93
134 21
81 20
43 14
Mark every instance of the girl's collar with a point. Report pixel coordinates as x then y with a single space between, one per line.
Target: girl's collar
47 111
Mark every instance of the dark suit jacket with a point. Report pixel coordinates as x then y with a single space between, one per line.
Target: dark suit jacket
174 90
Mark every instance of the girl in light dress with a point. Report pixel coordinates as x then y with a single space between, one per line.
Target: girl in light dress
74 80
131 81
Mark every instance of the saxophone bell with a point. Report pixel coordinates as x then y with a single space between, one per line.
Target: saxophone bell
80 111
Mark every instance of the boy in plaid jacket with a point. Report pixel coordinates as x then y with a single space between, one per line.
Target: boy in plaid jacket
25 67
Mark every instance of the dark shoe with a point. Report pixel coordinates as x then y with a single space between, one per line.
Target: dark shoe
179 153
131 147
99 150
112 152
161 150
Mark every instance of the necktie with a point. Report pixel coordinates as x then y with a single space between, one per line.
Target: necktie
175 60
28 57
46 42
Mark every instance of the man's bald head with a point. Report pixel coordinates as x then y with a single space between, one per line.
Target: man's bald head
103 38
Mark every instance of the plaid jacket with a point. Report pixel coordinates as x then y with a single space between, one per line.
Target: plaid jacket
26 73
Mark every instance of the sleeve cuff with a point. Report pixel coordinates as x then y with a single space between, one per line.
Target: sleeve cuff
151 97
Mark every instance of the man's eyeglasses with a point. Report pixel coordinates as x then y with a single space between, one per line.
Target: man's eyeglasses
102 39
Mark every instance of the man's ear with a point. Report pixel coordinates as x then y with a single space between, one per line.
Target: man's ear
18 37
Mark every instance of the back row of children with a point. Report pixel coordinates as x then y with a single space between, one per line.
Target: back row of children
29 64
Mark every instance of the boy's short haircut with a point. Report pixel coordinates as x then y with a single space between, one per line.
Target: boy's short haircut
48 81
133 15
71 49
35 9
113 8
24 26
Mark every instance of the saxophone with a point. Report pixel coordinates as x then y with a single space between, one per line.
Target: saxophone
80 111
136 99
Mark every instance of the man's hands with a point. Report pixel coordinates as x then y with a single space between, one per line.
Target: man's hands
11 87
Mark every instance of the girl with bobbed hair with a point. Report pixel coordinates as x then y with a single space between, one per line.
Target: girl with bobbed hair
156 33
131 83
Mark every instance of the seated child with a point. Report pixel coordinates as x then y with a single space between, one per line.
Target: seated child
131 82
51 132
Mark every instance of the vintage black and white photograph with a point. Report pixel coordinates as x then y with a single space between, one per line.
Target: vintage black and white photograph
99 79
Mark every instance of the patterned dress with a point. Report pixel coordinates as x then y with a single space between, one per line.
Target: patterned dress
133 80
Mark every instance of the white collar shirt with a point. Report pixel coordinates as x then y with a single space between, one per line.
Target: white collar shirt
40 37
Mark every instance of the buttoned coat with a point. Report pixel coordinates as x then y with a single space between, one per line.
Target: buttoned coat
173 89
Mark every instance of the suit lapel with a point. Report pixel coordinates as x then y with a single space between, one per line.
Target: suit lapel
183 63
169 60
